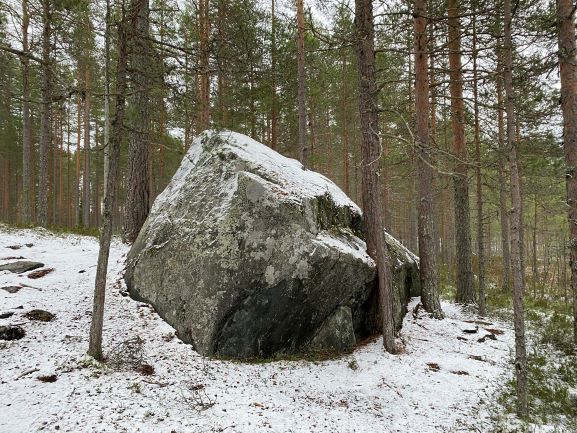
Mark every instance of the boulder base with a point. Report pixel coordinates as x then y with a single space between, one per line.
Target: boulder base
248 254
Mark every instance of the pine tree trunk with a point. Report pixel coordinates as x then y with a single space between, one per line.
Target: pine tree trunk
187 122
273 110
568 71
77 188
370 149
426 229
138 188
69 196
106 95
26 124
478 162
437 190
465 288
204 20
221 41
86 177
54 151
345 128
95 345
302 110
534 263
518 289
96 189
503 207
60 174
45 130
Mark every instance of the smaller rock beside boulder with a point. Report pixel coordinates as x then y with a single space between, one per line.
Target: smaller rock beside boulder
39 315
40 273
11 332
21 266
12 289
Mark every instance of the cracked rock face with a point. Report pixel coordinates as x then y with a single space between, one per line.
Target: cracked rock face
247 254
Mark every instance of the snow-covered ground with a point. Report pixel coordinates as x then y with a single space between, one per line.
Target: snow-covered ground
438 385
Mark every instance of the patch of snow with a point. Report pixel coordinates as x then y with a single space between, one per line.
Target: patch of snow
289 174
350 245
378 392
409 255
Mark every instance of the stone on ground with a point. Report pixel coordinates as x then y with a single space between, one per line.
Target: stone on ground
21 266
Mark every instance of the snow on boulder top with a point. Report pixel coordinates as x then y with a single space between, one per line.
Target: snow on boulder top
290 178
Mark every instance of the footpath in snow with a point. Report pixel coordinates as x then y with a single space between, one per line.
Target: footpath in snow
438 385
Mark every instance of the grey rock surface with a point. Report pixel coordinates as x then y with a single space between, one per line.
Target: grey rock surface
12 289
336 333
21 266
247 254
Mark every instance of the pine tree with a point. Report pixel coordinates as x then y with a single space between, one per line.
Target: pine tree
568 72
370 148
465 288
426 230
138 181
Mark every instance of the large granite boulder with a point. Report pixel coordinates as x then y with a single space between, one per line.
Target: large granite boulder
247 254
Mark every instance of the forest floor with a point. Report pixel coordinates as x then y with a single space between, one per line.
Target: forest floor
448 379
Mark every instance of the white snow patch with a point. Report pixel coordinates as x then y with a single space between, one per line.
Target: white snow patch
351 245
386 393
289 174
409 255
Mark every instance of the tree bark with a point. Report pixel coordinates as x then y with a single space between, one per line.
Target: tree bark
86 177
26 124
96 189
534 262
69 196
518 289
273 110
45 129
61 220
95 345
138 188
345 127
370 150
478 162
106 95
568 71
465 288
426 229
77 188
302 110
503 207
204 20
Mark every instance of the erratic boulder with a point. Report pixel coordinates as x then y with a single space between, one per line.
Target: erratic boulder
247 254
